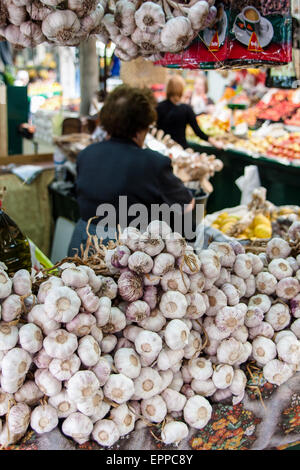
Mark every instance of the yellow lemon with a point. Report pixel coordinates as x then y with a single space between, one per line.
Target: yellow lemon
263 231
261 219
227 227
223 215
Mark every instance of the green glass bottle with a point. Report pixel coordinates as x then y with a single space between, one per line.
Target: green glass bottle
14 246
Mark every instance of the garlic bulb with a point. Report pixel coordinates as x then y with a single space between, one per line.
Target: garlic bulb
277 248
103 313
81 325
5 285
140 262
105 432
123 418
124 17
130 286
163 263
5 400
127 362
38 316
173 304
60 344
16 363
175 280
197 411
61 27
37 10
102 370
89 301
154 409
88 351
11 307
119 388
200 368
42 359
149 17
82 385
46 286
16 14
223 376
137 311
91 405
8 336
31 338
206 388
174 432
148 383
43 419
62 403
263 350
29 393
62 304
63 369
177 34
18 418
174 400
78 426
277 372
47 383
176 335
22 280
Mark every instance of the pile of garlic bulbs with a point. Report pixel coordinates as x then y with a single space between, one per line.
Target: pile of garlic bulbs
156 343
27 23
137 28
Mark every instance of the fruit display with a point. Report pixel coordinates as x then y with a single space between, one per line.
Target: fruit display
260 219
251 222
294 120
278 143
153 342
260 227
285 147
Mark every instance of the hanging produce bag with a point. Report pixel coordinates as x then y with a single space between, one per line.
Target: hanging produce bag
260 33
210 48
247 33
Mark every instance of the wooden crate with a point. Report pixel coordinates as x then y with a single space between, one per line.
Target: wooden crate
3 121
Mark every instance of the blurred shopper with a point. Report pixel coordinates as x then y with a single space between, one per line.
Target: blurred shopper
120 166
174 116
200 102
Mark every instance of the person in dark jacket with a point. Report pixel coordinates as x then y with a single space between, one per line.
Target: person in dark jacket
120 166
174 116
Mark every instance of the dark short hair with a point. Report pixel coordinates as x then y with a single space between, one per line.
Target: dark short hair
128 110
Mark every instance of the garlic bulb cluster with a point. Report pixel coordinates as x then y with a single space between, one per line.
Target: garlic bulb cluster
27 23
151 28
147 29
161 342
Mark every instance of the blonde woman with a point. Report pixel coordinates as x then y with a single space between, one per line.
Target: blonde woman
174 116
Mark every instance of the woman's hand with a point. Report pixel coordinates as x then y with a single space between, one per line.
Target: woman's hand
216 143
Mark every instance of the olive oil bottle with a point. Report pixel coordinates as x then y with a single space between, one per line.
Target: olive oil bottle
14 246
